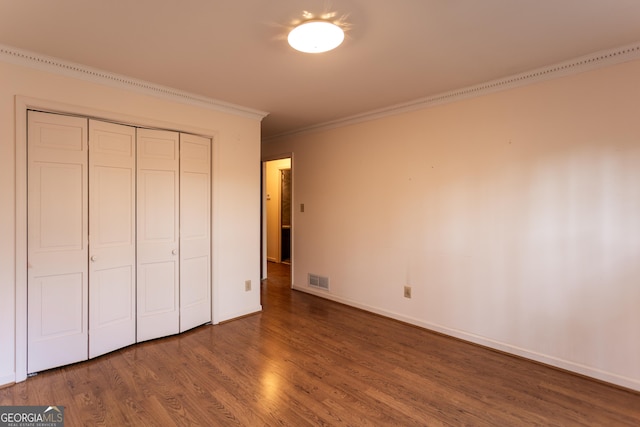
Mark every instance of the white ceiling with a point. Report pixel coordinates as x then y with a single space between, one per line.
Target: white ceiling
236 51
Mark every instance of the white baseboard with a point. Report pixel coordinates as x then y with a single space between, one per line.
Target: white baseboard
238 314
609 377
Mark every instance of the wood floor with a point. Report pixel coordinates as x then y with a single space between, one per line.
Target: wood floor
308 361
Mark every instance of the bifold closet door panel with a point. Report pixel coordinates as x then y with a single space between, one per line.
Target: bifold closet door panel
158 307
57 241
112 245
195 231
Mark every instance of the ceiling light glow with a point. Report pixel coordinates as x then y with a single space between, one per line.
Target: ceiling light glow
316 36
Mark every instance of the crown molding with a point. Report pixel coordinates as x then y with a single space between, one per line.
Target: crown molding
581 64
70 69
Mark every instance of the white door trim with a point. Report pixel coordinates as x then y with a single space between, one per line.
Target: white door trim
263 210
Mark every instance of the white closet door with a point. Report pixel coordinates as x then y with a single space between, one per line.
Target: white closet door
57 241
112 266
157 236
195 231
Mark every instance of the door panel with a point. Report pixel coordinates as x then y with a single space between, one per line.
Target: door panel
57 308
158 207
157 234
113 300
160 298
112 319
195 231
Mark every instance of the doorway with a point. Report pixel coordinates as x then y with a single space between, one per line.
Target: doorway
277 212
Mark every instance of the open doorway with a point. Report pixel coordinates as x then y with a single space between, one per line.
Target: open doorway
277 212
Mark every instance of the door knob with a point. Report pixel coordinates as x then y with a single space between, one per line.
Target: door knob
174 252
94 258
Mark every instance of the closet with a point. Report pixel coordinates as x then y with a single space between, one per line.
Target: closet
118 236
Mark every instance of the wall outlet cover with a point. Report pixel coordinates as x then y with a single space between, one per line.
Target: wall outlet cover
407 291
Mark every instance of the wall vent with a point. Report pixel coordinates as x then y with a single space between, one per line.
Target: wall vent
319 282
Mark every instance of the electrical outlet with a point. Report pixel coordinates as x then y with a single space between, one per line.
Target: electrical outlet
407 291
247 285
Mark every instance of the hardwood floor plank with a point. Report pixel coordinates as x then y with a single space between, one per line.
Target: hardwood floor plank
305 361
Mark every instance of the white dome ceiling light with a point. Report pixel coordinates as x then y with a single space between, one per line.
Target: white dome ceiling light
316 36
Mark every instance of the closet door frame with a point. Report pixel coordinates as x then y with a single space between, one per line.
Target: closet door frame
24 104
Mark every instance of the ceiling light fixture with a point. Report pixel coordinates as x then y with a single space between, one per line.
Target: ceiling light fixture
316 36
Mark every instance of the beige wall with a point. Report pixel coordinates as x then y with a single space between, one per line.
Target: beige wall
514 216
236 184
